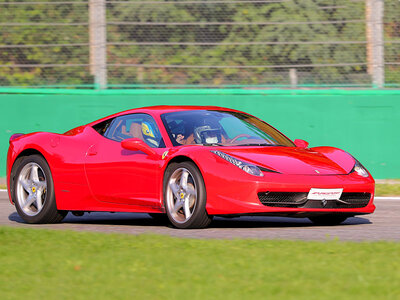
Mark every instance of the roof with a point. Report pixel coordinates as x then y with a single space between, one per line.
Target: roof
161 109
171 108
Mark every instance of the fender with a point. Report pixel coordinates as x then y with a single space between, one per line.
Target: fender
339 156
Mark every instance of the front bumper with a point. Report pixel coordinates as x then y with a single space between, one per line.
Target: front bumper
237 194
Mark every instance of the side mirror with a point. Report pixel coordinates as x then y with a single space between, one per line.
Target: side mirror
136 144
301 143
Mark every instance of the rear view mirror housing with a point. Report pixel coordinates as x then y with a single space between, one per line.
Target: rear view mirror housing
301 143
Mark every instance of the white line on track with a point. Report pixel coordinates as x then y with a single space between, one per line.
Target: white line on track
387 198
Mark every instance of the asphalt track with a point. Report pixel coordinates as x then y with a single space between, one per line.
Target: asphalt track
384 224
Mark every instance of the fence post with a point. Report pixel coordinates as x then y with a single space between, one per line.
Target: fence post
98 42
293 77
375 41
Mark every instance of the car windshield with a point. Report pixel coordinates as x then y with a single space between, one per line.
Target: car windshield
223 128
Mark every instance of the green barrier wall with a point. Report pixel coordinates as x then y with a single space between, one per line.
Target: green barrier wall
364 123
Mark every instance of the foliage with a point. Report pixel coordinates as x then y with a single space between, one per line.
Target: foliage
43 35
308 45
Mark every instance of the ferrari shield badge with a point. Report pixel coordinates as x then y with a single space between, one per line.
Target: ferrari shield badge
164 154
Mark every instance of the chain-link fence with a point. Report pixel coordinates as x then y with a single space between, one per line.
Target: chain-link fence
221 43
392 43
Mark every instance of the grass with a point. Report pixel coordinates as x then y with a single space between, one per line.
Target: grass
387 189
44 264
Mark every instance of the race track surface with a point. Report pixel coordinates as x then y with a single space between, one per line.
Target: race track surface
384 224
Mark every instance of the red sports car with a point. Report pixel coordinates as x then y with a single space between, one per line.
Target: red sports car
188 162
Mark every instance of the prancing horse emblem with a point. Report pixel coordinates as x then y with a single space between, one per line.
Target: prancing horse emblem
324 202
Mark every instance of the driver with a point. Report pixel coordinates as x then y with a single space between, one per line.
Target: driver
204 134
180 138
207 134
205 131
181 130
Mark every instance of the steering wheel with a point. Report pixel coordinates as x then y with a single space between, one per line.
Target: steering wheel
239 136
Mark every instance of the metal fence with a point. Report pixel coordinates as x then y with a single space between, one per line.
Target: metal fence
185 43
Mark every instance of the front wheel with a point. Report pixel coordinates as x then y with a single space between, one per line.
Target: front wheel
185 196
33 192
328 220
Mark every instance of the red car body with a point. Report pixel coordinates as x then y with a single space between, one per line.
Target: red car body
93 173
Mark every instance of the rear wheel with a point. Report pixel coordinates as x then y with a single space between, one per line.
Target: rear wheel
328 220
33 192
185 196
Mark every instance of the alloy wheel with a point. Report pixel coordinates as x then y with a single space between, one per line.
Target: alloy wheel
181 195
31 189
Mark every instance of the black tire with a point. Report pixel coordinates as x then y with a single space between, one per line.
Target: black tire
328 220
199 217
48 212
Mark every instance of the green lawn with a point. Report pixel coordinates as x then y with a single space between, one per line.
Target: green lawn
42 264
387 189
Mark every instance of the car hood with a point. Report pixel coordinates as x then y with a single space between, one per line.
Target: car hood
293 160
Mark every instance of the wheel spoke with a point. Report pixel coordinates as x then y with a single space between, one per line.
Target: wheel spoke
39 203
34 173
29 201
174 188
190 190
41 184
178 205
186 209
26 185
184 179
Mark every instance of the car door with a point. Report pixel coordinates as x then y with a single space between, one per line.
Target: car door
117 175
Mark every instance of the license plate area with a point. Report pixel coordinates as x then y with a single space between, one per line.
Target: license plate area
324 194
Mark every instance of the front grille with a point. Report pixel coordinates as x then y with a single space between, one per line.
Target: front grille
299 200
355 196
282 199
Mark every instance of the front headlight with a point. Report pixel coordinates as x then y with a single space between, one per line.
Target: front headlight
359 169
248 168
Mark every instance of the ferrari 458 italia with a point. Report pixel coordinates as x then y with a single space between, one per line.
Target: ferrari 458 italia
188 163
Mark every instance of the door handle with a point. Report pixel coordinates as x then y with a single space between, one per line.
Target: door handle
91 151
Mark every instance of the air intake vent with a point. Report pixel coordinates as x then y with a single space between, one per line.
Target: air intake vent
299 200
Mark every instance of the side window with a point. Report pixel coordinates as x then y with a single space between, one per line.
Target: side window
102 127
141 126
